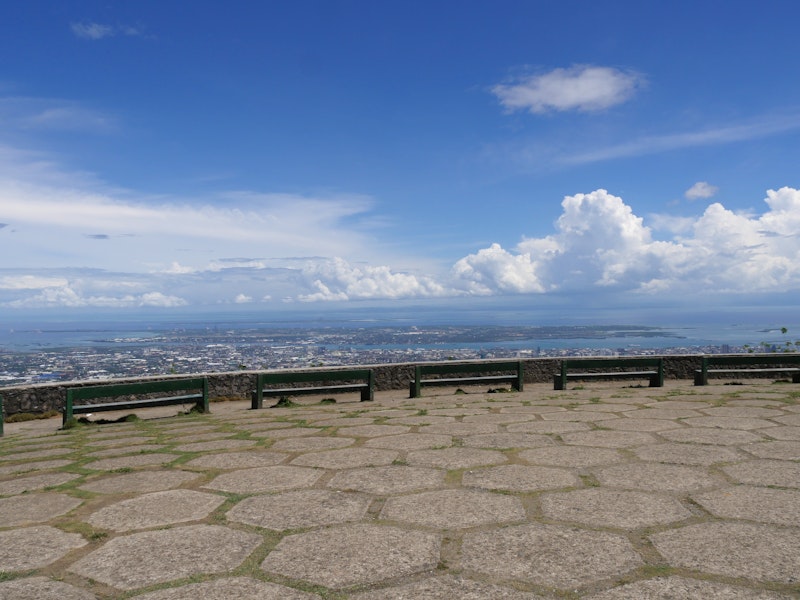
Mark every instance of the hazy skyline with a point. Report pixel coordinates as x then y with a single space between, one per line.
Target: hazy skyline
154 154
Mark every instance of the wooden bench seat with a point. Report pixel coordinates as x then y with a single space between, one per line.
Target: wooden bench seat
470 374
151 389
748 364
359 380
611 368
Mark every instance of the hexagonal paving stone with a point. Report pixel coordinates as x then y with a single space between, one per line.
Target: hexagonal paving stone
608 439
411 441
137 460
35 547
641 424
460 429
507 440
34 508
673 588
42 588
781 507
578 415
265 479
781 450
312 443
549 555
520 478
728 422
756 552
41 465
237 460
151 557
240 588
613 508
303 508
347 458
372 431
447 509
140 481
656 476
395 479
447 588
20 485
350 555
781 473
216 445
688 454
572 456
156 509
455 458
705 435
547 427
782 432
742 411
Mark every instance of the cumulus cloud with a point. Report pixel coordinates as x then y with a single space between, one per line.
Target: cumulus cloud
580 87
599 243
336 279
64 296
701 189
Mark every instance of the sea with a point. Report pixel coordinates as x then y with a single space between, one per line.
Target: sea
646 327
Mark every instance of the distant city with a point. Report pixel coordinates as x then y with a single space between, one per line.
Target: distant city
98 355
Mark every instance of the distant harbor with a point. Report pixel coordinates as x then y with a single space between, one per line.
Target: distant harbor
100 350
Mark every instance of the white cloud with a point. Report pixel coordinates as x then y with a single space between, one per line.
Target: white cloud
243 299
600 243
336 279
701 189
59 220
65 296
580 87
494 270
98 31
30 282
92 31
655 144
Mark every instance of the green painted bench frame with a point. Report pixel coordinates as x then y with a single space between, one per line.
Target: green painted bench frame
359 380
2 416
421 371
601 367
749 362
115 390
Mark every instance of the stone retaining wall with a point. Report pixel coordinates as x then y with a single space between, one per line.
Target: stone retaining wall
238 384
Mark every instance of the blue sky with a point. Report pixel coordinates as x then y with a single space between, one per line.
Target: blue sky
165 154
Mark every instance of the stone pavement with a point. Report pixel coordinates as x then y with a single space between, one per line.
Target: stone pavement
604 491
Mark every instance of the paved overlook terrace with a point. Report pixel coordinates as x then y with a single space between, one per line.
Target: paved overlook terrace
603 491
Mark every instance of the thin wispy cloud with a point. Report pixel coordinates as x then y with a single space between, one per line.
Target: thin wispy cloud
89 30
581 87
655 144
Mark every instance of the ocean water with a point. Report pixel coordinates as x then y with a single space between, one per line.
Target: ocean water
662 328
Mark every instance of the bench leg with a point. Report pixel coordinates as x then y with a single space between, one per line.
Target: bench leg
795 377
559 383
700 378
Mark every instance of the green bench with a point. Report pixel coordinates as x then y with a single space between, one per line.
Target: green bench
332 382
152 389
469 374
748 364
610 368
